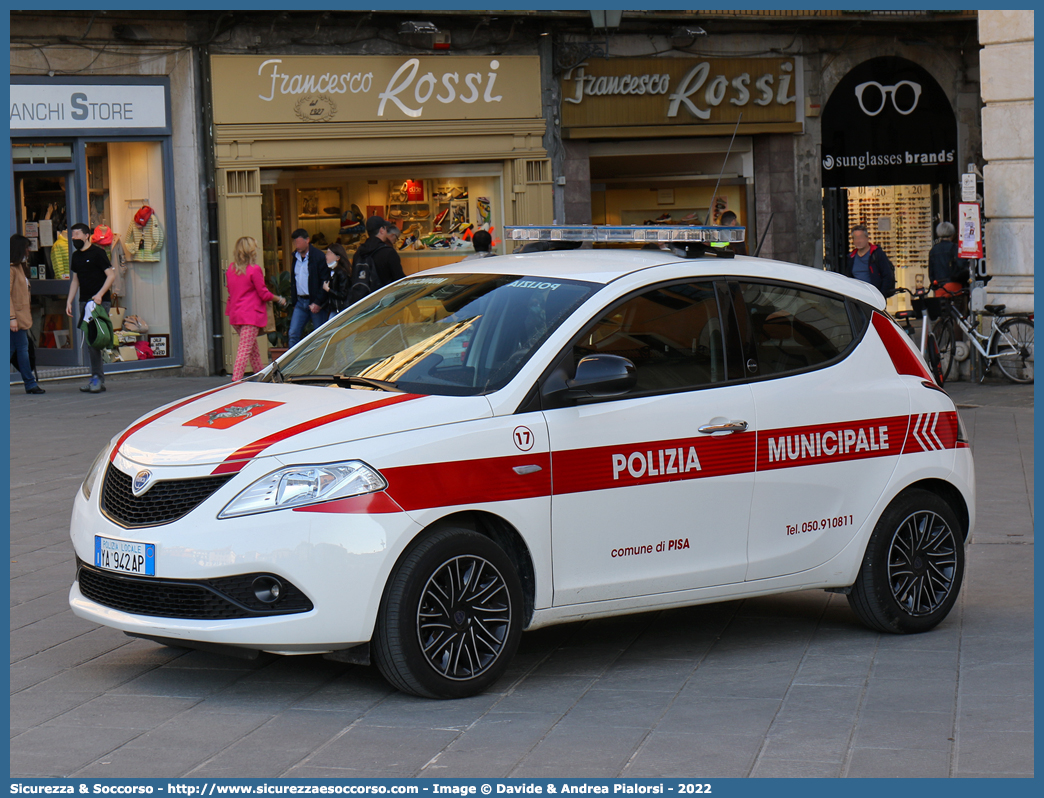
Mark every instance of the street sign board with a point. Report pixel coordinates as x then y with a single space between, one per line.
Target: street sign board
968 187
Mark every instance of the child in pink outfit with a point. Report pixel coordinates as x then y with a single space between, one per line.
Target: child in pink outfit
247 297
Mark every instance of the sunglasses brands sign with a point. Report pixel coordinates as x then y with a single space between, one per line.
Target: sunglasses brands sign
629 92
888 122
280 89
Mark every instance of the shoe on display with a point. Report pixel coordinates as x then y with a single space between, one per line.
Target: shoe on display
460 194
437 224
663 218
692 217
36 389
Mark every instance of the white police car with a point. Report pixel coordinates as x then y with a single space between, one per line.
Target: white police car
504 444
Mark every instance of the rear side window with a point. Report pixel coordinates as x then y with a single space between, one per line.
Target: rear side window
791 329
672 334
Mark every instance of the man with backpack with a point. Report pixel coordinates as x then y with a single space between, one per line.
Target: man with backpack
868 262
375 263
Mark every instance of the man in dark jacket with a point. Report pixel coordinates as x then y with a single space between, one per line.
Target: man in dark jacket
307 297
947 273
868 262
378 247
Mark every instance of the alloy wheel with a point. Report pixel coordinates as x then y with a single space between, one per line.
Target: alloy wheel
464 617
922 562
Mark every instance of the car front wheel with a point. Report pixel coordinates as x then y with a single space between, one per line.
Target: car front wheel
913 566
450 618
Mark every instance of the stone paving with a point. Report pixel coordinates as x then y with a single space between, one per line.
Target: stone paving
790 685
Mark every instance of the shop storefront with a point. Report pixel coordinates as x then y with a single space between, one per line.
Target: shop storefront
658 134
890 162
441 145
97 151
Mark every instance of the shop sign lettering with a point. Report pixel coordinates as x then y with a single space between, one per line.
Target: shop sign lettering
690 90
361 89
405 90
55 106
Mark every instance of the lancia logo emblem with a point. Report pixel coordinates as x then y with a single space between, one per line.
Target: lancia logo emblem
141 482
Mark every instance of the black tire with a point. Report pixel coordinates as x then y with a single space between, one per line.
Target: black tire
450 618
947 342
934 360
913 566
1015 347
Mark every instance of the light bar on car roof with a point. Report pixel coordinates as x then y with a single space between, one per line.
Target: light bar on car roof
705 234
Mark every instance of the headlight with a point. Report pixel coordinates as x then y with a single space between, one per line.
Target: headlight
297 486
96 470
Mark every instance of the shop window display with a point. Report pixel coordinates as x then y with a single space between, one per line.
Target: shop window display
42 201
126 209
436 216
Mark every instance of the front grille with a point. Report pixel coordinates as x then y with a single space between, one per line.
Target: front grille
166 501
204 599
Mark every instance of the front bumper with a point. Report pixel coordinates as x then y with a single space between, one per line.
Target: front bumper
338 561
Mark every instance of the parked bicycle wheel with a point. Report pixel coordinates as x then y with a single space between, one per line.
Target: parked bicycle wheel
945 338
1012 342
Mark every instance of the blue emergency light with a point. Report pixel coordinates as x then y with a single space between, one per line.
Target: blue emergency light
630 234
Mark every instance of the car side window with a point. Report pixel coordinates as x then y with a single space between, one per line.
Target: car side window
672 334
792 329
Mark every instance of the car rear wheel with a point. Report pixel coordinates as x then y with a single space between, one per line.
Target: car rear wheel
450 618
913 566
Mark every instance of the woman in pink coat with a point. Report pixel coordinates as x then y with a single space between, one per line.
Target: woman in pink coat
246 310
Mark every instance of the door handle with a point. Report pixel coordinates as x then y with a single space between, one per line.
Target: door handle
723 425
526 469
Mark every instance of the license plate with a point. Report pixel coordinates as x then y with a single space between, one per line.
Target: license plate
125 556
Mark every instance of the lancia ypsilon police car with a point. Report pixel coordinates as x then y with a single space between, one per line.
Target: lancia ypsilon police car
507 443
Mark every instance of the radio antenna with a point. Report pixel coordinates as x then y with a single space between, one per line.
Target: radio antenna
768 224
714 195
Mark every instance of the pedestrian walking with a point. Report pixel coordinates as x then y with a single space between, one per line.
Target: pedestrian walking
339 283
869 263
306 286
730 219
482 241
947 273
246 311
92 276
21 318
375 263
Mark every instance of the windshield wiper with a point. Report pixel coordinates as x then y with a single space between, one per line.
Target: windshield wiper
276 375
347 380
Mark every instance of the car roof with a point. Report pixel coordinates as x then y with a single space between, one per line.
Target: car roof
606 265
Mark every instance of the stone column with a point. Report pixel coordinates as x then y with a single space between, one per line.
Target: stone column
1007 146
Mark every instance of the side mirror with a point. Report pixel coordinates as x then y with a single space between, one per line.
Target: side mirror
601 376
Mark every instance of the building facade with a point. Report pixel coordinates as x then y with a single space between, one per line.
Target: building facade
1007 137
802 123
101 127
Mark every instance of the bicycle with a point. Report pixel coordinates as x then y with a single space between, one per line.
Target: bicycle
1009 344
929 309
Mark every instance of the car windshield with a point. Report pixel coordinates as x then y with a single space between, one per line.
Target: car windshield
454 335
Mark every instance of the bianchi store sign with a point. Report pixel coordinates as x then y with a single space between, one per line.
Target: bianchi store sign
888 123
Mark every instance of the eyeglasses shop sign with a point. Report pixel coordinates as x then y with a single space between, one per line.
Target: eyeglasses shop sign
888 122
50 106
286 88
